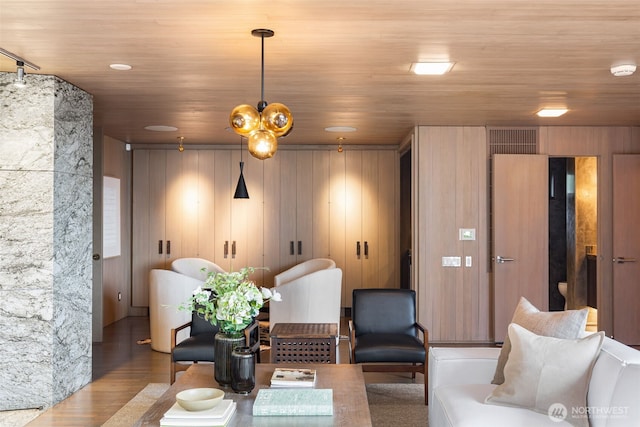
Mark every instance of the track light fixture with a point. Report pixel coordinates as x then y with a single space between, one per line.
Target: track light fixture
20 64
262 126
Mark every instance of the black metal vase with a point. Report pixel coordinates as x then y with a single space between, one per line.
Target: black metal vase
223 347
243 370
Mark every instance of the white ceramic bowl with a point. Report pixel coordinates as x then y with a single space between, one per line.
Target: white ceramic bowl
199 399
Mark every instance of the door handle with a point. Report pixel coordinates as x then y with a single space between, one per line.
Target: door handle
358 249
291 251
622 260
160 247
502 260
299 247
233 250
366 249
168 247
226 248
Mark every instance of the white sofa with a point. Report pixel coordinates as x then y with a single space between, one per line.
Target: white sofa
460 379
167 291
311 293
192 267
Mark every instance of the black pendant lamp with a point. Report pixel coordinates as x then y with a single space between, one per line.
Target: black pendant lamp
241 188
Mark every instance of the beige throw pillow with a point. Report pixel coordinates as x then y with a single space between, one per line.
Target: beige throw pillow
548 375
559 324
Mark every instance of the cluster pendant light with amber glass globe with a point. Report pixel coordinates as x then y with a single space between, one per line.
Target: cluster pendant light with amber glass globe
262 126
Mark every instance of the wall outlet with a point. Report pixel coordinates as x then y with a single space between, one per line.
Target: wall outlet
467 261
451 261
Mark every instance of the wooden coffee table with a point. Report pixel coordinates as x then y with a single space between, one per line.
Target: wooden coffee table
350 404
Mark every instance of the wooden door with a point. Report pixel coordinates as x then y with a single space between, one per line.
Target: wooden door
247 219
304 202
272 239
370 210
626 248
338 217
148 225
223 251
354 246
520 235
206 205
288 212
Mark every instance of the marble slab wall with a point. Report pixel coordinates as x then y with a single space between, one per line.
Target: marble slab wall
45 241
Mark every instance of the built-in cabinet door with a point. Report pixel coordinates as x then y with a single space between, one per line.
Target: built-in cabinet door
247 219
520 235
296 207
207 205
371 215
148 225
626 248
271 189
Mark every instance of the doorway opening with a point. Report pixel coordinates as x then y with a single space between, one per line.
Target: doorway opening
573 233
405 220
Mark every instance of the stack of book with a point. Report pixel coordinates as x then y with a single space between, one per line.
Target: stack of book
217 416
285 377
291 402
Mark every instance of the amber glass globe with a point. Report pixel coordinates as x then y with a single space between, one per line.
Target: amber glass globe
244 119
277 118
262 144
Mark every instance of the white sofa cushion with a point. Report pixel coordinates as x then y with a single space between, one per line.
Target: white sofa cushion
462 405
559 324
545 372
461 365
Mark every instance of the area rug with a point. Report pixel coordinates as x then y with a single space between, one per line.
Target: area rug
133 410
390 405
397 405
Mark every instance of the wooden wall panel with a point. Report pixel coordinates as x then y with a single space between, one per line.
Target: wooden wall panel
456 303
451 194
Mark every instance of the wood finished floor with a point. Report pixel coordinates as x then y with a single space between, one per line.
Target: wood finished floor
121 368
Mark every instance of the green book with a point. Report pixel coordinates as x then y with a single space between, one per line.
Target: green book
292 401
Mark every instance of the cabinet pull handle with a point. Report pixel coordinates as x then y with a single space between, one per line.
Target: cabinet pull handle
291 251
160 247
358 249
233 249
168 247
366 249
299 247
226 248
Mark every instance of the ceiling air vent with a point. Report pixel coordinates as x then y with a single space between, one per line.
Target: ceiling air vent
512 141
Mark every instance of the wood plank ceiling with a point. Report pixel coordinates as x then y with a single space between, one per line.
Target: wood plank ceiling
333 63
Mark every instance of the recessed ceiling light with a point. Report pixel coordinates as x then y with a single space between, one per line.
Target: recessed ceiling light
551 112
431 68
161 128
120 67
623 70
340 129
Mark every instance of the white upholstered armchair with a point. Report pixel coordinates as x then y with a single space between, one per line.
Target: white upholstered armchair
167 290
310 292
192 267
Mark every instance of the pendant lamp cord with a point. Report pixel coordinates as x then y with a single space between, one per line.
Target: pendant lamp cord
262 72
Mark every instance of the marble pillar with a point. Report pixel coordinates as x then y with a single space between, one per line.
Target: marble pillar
46 200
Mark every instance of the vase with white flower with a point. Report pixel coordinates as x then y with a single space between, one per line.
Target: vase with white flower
231 301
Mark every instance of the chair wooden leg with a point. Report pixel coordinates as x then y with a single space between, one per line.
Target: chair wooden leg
173 372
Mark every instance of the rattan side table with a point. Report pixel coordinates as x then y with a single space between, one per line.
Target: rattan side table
304 343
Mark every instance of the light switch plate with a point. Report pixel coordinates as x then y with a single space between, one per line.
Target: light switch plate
451 261
467 261
467 234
